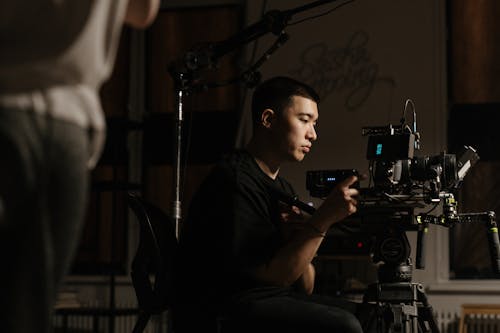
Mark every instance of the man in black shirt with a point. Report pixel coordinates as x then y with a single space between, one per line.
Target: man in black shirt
246 256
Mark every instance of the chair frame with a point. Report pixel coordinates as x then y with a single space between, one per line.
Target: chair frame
153 260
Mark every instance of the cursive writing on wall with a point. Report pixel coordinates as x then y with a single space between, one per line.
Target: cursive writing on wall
349 69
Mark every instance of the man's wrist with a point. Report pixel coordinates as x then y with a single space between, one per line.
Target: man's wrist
316 229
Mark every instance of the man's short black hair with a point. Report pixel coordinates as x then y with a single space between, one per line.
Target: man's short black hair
276 94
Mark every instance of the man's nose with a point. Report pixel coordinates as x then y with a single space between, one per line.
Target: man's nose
311 134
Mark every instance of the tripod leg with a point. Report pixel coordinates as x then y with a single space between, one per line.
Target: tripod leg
397 312
378 320
426 313
427 321
415 325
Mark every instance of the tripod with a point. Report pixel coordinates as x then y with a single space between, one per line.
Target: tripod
401 306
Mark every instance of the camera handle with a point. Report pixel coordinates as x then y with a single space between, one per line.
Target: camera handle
487 218
423 228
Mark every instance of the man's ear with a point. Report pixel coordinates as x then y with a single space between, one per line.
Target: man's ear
267 118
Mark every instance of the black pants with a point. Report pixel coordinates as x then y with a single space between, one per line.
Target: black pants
268 310
43 188
293 313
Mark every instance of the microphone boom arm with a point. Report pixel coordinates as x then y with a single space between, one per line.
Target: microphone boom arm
273 21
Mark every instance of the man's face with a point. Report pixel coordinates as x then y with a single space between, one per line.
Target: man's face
294 129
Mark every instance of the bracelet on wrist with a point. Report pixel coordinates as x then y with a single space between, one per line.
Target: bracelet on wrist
317 230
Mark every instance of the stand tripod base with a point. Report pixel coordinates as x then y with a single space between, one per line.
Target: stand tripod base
401 307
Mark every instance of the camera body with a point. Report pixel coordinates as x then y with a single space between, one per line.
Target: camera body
396 171
399 183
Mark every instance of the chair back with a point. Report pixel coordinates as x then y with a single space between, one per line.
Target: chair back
153 263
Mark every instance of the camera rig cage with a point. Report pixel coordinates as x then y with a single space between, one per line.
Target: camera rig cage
400 185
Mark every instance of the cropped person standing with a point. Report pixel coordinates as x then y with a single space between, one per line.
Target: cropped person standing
246 256
55 54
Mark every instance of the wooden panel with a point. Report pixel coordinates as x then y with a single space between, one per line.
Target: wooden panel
474 64
114 92
172 35
474 51
103 245
160 184
475 125
176 32
207 136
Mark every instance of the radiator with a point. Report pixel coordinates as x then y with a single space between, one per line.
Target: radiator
449 322
91 319
88 319
482 323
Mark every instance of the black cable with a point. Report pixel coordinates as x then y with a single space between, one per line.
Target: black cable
256 43
322 14
435 206
252 59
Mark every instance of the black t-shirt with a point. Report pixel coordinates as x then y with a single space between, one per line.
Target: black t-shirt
233 225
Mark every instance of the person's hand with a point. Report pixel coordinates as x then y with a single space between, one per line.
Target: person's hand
341 202
290 214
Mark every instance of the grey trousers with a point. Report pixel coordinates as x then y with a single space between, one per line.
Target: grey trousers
43 194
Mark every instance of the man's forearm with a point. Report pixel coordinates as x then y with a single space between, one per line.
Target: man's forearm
305 282
292 260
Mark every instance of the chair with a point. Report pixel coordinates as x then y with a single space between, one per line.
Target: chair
154 258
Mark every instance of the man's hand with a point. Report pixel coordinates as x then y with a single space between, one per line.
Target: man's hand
340 203
290 214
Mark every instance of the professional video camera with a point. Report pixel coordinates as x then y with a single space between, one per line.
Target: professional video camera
400 184
402 192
